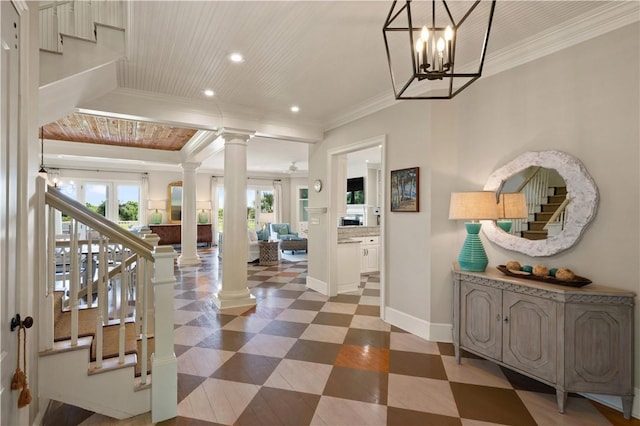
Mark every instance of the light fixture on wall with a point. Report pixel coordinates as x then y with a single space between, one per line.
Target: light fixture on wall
156 216
447 43
473 206
511 205
42 172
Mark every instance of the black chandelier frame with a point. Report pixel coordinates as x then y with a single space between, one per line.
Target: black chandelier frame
421 72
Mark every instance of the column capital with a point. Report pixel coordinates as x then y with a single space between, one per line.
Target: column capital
230 134
190 166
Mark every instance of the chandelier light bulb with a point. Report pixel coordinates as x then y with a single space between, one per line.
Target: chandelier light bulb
448 33
440 46
424 34
419 45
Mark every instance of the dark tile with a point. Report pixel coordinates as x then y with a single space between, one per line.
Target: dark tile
228 340
64 414
363 357
521 382
371 292
264 312
446 349
328 318
180 349
279 407
345 298
285 328
212 319
369 310
373 278
397 329
358 385
358 337
287 294
489 404
298 281
417 365
187 383
308 305
186 421
312 351
194 295
198 305
247 368
402 417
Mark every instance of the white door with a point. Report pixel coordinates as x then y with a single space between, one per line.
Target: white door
9 84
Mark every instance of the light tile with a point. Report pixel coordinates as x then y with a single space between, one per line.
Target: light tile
183 317
219 401
338 411
421 394
282 280
340 308
277 302
475 372
190 336
297 315
268 345
369 323
179 303
300 376
325 333
202 361
544 409
412 343
370 300
247 324
472 422
312 295
294 287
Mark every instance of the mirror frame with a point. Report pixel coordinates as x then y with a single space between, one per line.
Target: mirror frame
169 206
581 191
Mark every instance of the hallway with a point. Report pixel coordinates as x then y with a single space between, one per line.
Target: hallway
302 358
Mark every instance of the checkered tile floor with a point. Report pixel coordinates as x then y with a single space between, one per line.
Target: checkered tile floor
301 358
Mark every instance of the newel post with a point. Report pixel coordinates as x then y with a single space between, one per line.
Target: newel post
164 366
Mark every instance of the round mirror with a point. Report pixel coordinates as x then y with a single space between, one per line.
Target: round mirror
561 201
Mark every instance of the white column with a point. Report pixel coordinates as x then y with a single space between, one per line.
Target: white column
189 244
234 290
164 392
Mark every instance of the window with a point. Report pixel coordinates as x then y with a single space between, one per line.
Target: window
303 203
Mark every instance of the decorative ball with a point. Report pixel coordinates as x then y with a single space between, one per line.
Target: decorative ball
513 265
553 271
540 271
527 268
565 274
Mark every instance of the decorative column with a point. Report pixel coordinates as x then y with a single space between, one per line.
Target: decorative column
189 244
234 290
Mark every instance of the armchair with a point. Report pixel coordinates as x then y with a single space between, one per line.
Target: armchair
282 231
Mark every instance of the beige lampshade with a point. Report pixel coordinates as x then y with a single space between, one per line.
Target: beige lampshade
473 205
512 206
203 205
157 205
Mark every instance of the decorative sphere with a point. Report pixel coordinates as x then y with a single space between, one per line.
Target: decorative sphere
540 271
553 271
565 274
513 265
527 268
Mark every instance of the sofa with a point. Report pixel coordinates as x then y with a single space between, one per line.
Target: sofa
253 249
282 231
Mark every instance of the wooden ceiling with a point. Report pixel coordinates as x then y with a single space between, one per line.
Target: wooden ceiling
113 131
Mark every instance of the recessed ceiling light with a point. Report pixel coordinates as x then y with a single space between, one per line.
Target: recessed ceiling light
236 57
295 108
209 93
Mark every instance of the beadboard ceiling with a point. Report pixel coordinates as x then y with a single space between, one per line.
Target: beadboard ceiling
327 57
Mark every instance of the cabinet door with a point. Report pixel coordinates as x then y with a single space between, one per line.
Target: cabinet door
372 258
529 334
599 344
481 319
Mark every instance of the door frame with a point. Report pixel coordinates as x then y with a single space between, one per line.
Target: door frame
333 156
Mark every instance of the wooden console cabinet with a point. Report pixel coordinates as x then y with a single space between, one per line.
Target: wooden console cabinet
172 233
574 339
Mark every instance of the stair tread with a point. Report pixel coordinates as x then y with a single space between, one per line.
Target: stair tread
65 345
110 364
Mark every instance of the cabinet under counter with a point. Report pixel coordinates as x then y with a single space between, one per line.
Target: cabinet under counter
574 339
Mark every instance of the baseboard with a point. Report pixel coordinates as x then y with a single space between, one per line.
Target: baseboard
429 331
347 288
317 285
615 402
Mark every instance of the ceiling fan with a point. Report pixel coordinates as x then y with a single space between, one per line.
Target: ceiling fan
292 168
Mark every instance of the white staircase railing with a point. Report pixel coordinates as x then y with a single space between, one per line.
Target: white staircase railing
77 18
114 272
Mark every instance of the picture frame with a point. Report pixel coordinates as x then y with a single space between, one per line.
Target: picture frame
405 190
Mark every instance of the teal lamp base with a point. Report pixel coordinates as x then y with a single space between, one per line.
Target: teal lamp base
505 225
472 256
203 217
156 218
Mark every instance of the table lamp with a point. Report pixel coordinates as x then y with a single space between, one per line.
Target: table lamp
203 217
511 205
156 216
473 206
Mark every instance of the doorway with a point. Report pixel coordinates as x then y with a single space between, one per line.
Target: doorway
372 213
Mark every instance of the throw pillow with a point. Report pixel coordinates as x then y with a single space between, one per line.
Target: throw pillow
252 235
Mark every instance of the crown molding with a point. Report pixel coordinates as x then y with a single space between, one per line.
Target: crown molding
607 18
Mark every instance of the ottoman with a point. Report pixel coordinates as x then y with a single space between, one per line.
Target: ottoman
293 245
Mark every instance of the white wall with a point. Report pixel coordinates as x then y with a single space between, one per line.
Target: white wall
559 102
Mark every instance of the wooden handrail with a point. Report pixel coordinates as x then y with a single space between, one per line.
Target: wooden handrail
557 213
528 179
55 198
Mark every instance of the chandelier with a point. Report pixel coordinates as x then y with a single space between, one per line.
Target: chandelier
446 44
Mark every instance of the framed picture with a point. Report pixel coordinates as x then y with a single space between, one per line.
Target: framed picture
405 190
